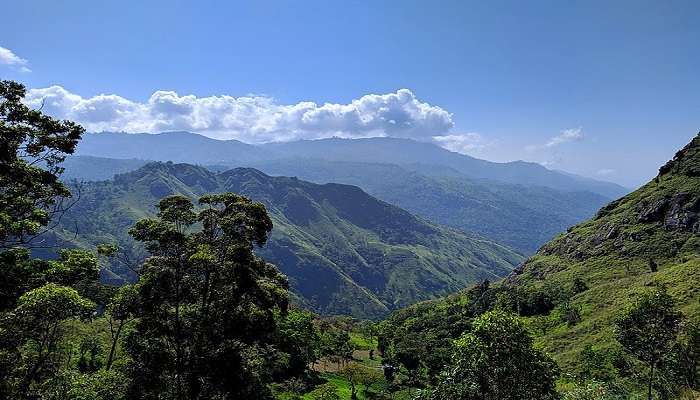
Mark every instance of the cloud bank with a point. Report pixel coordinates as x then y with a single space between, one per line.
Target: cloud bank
252 119
7 57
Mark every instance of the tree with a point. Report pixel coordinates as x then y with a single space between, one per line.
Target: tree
299 338
207 305
497 360
358 375
370 378
578 286
19 273
36 326
648 330
686 354
119 312
37 297
335 343
327 391
32 147
653 267
595 365
369 332
570 313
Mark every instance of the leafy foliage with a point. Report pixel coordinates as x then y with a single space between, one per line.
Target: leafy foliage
496 360
207 303
574 289
32 146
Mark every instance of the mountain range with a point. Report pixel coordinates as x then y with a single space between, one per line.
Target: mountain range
192 148
522 205
344 251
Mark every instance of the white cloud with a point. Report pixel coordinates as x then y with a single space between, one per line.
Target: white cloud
7 57
567 135
252 119
463 143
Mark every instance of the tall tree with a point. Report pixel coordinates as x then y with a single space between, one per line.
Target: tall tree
36 299
207 304
32 147
497 361
648 330
31 334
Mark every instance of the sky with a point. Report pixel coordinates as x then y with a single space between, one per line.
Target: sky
605 89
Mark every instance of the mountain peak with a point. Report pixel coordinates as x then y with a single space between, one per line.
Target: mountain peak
686 161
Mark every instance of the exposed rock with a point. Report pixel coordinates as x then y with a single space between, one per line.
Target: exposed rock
652 212
613 232
683 213
686 161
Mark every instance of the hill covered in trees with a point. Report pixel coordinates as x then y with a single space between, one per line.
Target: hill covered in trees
523 217
343 251
520 216
614 300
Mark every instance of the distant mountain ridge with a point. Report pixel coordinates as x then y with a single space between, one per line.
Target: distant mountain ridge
522 217
197 149
344 251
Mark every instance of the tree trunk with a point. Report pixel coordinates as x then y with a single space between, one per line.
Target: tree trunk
651 380
112 350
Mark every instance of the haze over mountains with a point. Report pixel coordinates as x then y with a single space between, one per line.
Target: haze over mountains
344 251
197 149
518 204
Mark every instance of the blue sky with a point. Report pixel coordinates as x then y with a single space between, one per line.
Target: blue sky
604 89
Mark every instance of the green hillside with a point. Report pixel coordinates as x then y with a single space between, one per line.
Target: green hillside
571 292
344 251
657 224
522 217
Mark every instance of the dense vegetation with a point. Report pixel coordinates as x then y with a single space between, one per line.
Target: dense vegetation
206 319
520 216
343 251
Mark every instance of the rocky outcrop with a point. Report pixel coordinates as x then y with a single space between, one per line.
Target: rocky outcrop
678 213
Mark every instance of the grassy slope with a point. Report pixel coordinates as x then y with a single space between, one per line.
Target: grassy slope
616 266
611 254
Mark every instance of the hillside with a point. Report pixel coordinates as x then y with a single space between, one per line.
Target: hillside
205 151
90 168
169 146
410 152
612 253
523 217
344 251
646 239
